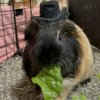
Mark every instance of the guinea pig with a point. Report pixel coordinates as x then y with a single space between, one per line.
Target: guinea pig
58 42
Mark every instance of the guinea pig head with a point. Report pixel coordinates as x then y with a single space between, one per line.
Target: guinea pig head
47 48
51 43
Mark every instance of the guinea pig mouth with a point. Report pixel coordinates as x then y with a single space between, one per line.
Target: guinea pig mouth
47 61
49 55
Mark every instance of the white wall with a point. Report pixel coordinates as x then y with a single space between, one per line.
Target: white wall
6 1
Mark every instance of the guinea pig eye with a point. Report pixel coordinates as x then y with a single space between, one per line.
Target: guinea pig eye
64 33
60 36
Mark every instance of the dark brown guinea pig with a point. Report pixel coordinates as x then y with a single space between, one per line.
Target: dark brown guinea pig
57 40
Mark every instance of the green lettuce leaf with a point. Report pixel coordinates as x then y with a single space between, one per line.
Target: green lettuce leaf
50 81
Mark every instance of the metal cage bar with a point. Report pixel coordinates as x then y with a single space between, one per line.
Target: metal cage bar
13 25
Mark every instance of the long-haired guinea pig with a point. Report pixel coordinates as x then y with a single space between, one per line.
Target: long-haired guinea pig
58 42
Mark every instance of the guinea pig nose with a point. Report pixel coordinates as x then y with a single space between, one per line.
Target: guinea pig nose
49 54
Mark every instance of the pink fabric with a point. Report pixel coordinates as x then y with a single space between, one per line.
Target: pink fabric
7 36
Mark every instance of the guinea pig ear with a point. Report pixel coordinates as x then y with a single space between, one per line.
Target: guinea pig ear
31 29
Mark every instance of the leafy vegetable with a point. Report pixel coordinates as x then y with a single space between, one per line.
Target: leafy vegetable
50 81
81 96
98 75
75 97
98 97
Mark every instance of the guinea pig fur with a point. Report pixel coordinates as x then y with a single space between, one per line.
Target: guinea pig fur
63 42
